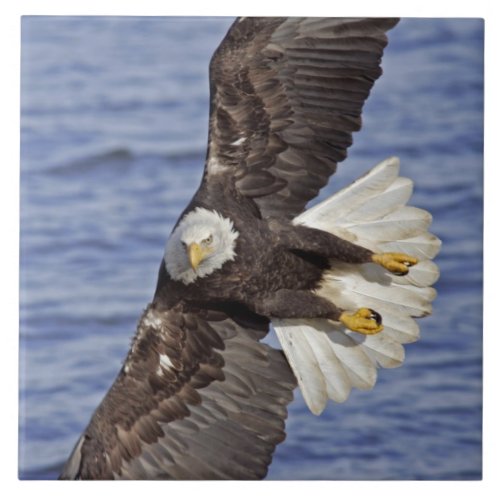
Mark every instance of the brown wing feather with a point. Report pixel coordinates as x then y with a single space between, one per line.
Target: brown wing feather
286 96
214 408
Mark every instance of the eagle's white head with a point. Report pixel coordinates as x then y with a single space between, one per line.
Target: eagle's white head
201 243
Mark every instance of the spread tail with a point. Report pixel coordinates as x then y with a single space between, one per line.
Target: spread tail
328 359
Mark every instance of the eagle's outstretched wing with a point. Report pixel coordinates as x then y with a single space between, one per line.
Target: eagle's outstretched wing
199 397
286 95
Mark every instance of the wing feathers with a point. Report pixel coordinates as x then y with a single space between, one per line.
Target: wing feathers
216 414
286 96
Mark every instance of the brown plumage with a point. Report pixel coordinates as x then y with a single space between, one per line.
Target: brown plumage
199 396
224 388
292 91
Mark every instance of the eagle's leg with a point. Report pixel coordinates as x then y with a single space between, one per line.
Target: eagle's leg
293 304
364 320
397 263
307 239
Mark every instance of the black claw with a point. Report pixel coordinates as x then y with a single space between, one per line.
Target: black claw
402 273
376 316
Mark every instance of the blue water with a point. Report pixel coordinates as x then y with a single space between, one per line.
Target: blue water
114 126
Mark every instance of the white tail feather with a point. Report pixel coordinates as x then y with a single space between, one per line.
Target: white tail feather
311 378
376 207
327 359
385 351
424 246
346 200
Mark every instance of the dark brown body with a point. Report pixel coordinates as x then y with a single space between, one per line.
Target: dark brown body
199 396
272 255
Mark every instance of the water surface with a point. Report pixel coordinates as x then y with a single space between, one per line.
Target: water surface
114 126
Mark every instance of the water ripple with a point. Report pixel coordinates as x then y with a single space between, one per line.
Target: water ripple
114 126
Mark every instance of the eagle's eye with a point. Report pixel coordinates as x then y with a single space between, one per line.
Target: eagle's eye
207 241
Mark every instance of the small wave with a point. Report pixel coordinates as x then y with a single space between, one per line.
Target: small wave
91 161
120 155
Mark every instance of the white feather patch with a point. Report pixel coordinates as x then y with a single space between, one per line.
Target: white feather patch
327 359
238 142
214 167
165 362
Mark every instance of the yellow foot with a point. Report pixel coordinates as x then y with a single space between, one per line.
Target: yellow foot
364 320
397 263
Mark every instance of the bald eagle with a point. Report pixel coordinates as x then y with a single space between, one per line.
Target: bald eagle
199 395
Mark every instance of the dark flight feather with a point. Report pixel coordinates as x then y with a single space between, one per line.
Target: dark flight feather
286 96
220 415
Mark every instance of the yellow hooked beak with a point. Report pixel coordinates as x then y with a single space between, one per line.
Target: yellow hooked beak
196 254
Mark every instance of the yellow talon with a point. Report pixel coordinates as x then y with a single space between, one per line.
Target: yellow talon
364 320
397 263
